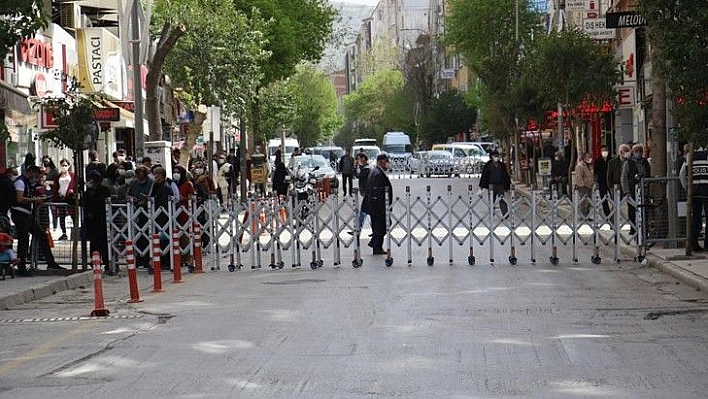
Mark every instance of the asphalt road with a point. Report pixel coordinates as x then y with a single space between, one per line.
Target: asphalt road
488 330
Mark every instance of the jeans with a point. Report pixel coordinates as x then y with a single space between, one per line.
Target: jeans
24 225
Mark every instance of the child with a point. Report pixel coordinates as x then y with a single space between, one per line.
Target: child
8 259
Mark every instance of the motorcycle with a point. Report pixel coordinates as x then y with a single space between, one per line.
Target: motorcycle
303 191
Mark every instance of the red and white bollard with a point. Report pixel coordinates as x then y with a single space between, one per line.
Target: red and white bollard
156 264
132 273
176 258
99 308
197 248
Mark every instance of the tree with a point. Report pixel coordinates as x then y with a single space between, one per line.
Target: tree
378 105
315 103
218 63
448 115
20 19
483 31
299 33
681 57
569 68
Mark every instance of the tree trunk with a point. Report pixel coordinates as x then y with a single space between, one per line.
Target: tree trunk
168 39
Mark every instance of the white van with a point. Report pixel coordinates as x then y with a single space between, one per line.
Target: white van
399 148
290 145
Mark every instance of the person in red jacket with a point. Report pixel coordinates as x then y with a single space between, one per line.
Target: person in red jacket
64 192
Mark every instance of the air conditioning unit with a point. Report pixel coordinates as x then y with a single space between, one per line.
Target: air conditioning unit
70 15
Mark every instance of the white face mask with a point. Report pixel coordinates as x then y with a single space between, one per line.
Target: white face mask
176 176
604 154
151 177
64 168
128 180
495 159
121 159
198 171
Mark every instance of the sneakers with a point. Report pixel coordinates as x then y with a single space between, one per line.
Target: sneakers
63 237
54 266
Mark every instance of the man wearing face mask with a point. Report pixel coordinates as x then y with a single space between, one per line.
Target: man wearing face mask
633 170
583 181
600 171
161 192
379 189
496 179
95 213
120 162
25 223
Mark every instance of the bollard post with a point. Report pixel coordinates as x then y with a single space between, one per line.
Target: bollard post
99 308
132 274
197 248
176 258
156 264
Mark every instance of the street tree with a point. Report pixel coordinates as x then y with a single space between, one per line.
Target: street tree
484 33
375 107
448 115
299 33
315 103
568 68
681 57
218 63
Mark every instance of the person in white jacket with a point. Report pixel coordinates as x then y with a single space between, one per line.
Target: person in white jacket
222 183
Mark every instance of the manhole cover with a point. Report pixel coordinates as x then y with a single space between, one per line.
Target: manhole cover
78 318
300 281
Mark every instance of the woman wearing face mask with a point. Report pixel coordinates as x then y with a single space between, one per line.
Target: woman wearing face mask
65 184
633 171
51 172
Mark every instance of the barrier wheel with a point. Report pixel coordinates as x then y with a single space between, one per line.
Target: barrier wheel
281 265
596 260
232 268
512 260
533 260
357 263
470 260
273 266
320 263
639 259
190 268
314 265
430 260
389 262
554 260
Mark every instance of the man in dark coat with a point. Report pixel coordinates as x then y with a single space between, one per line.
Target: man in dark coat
378 189
496 179
600 172
614 170
95 213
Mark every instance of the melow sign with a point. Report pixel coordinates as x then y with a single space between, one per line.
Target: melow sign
624 19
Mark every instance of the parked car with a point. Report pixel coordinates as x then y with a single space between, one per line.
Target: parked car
371 152
308 163
326 151
488 147
415 161
469 156
439 162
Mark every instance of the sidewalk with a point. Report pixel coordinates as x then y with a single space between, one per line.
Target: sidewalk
692 271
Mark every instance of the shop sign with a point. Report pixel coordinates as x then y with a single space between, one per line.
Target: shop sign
625 19
109 114
101 65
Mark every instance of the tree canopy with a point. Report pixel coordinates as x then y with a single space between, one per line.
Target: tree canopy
20 19
448 115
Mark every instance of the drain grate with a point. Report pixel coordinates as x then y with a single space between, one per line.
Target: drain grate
78 318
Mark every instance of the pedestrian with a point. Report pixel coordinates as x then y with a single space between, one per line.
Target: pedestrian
583 182
186 193
25 224
65 183
362 173
95 164
222 178
161 192
599 168
379 189
633 171
699 199
559 175
138 192
93 203
496 179
346 168
120 162
30 160
279 176
614 170
7 199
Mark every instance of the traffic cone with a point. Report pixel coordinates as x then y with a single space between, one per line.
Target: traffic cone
156 264
99 309
176 258
197 248
132 274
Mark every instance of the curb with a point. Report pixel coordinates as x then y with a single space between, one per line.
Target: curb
687 277
45 290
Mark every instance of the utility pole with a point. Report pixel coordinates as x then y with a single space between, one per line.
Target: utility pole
137 83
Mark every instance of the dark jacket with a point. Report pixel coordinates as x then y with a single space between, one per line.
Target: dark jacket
488 176
632 172
279 175
614 173
378 188
599 168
